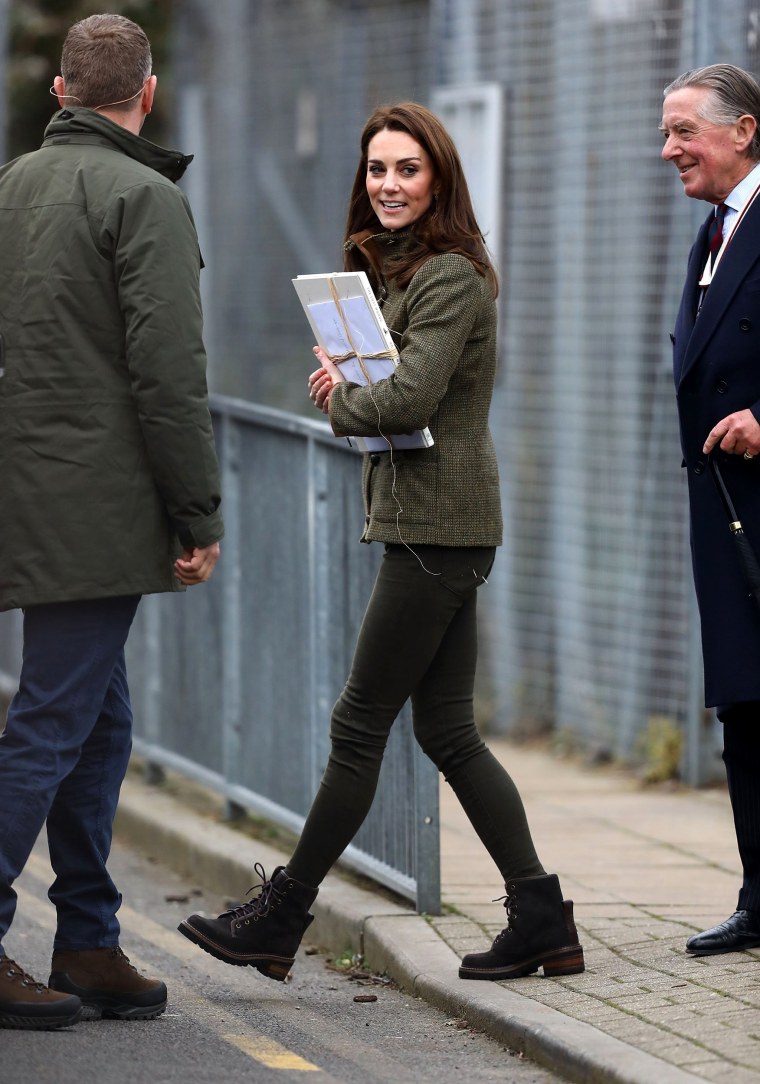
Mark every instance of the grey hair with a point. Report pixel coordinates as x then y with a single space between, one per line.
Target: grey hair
734 93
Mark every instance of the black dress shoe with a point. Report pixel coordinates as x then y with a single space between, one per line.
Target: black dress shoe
740 931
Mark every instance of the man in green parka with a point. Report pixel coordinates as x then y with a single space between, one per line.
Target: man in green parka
109 489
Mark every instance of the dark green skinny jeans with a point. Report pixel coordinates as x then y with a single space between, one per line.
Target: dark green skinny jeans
419 640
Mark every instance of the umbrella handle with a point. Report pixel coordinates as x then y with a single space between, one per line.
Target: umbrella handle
725 496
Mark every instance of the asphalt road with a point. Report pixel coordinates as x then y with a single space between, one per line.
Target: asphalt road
226 1025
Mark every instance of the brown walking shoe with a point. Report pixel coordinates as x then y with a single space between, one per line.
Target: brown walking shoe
107 984
26 1003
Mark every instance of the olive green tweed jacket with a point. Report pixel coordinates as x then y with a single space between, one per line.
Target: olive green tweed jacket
444 324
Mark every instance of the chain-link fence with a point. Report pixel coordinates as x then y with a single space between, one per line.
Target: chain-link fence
590 630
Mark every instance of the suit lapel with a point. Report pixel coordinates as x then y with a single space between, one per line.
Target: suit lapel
740 256
687 310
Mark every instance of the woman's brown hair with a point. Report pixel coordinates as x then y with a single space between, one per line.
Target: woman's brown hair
449 225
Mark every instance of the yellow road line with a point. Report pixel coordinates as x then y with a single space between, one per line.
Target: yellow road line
270 1053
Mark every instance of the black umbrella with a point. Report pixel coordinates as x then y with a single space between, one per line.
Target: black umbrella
747 556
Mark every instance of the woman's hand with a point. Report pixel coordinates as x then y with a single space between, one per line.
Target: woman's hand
322 380
320 386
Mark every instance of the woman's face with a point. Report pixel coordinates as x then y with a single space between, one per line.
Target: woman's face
400 179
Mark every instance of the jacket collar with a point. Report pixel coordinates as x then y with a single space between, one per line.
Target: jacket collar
77 126
399 241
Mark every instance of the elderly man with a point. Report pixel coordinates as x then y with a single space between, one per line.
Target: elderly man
109 489
710 123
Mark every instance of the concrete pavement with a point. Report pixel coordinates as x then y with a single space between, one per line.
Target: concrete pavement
646 867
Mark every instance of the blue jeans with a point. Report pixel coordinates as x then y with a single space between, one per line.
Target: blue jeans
63 757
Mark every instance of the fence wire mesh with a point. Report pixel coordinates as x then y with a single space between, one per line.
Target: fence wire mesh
589 628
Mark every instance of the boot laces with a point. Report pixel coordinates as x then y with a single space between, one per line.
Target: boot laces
117 954
17 974
259 907
510 906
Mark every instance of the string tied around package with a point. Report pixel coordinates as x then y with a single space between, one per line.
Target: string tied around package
354 352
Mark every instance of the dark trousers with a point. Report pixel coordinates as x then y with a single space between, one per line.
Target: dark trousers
419 640
63 757
741 755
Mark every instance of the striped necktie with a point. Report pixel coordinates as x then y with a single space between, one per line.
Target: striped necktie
715 232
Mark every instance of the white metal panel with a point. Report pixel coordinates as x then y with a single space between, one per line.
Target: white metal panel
474 117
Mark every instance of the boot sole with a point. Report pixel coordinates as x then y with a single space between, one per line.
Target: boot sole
97 1009
17 1022
273 967
565 961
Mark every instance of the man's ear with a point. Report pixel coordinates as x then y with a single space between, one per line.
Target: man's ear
746 126
59 88
148 94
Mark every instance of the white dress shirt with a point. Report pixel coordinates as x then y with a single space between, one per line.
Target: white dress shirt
736 202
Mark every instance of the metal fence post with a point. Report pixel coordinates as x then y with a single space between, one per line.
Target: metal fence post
150 693
427 836
231 571
319 586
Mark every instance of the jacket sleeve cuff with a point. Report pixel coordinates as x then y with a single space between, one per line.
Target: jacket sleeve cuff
201 532
338 416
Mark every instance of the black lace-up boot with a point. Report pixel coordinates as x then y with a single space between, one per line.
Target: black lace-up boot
540 932
264 933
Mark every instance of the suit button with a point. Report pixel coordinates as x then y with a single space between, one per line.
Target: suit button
374 459
699 467
721 387
745 324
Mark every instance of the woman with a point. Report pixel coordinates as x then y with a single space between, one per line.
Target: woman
411 227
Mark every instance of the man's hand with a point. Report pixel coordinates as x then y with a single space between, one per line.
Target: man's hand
736 434
196 565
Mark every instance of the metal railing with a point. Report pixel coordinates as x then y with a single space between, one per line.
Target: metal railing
232 684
